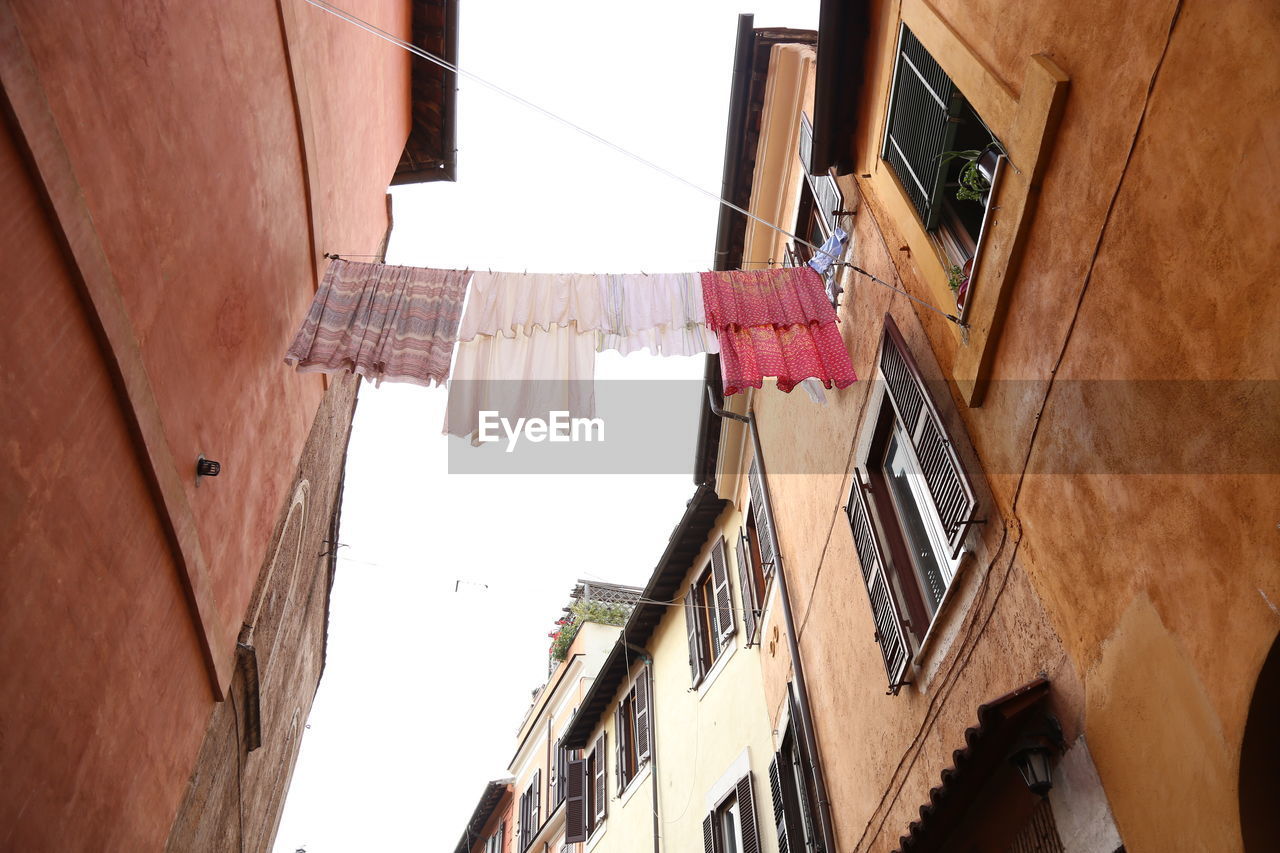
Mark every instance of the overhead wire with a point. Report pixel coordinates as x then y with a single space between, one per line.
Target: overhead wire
450 66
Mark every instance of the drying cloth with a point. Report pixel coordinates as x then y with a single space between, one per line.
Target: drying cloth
512 303
775 322
382 322
830 251
662 313
527 349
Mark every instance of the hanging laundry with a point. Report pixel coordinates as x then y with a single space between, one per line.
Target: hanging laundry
662 313
775 322
829 252
382 322
527 348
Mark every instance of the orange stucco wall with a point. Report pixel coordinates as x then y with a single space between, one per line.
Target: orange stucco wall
186 142
1140 520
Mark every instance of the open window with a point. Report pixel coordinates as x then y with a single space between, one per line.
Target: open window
816 215
910 509
632 730
944 157
708 608
731 825
530 811
586 793
790 787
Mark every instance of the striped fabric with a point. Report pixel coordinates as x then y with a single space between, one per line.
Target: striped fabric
775 322
382 322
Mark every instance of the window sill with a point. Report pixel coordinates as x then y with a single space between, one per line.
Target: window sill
635 784
596 834
716 668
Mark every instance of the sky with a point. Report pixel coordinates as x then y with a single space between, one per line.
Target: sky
447 584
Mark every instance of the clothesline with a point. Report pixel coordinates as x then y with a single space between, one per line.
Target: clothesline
820 251
526 344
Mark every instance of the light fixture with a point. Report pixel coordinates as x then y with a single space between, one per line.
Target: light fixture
1033 753
1032 762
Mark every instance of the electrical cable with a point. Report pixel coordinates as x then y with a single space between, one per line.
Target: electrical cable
449 66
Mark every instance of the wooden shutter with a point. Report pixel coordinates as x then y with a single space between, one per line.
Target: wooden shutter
602 780
642 729
948 485
780 821
575 801
710 838
920 127
747 584
723 594
827 197
747 816
890 633
502 838
522 836
535 804
697 665
619 747
768 541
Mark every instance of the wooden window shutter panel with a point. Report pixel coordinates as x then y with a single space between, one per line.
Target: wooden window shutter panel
710 838
602 778
779 804
890 633
948 486
643 730
760 513
619 748
696 665
920 129
747 816
535 808
723 594
746 582
575 801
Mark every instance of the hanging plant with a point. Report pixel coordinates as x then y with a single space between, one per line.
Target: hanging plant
974 180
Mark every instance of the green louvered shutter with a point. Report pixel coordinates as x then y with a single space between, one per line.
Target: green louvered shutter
923 110
890 634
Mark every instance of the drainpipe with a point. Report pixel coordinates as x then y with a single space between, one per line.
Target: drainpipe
793 642
653 740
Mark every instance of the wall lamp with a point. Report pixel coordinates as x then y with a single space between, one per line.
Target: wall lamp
207 467
1032 755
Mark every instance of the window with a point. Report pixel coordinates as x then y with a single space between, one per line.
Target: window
911 511
757 555
731 825
530 811
941 152
820 202
561 758
708 608
495 842
586 793
632 730
789 787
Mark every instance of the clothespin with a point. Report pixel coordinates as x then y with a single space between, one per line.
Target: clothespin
643 273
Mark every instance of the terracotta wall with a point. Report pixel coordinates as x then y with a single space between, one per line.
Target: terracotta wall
1139 518
183 127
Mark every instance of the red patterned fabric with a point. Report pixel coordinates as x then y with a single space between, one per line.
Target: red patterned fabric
775 322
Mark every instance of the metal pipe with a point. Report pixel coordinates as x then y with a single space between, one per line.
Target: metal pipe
797 665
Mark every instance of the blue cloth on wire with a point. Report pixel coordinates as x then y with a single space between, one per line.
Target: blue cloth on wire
824 258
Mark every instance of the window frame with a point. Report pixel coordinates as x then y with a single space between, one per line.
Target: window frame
737 803
709 613
633 730
901 609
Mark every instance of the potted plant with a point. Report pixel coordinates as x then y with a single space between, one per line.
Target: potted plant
978 172
958 278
